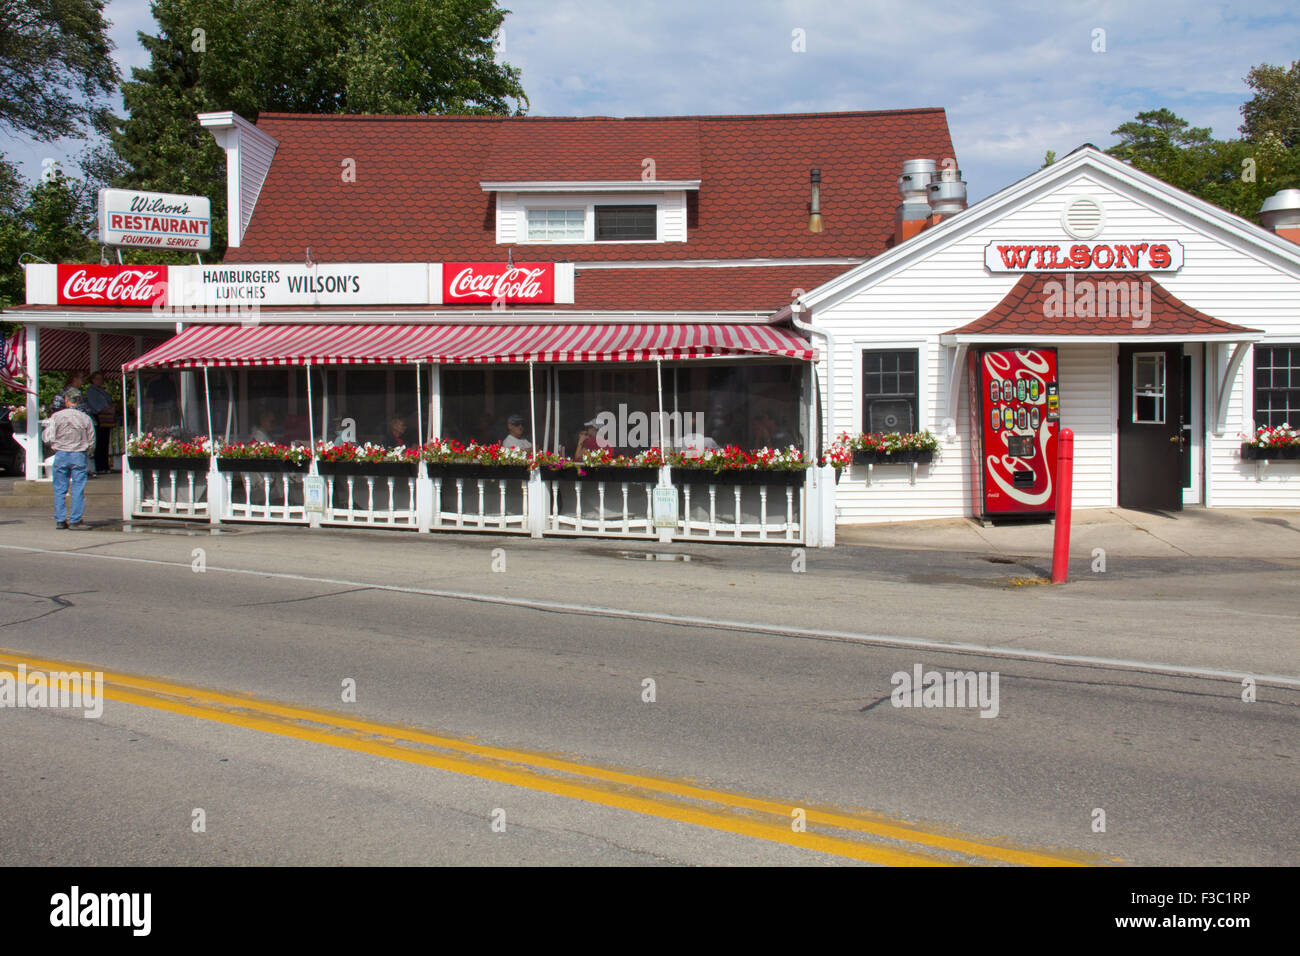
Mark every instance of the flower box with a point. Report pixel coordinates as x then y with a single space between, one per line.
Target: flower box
474 471
1274 453
262 465
592 473
149 463
739 476
902 456
379 469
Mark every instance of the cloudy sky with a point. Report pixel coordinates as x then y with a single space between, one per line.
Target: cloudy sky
1016 78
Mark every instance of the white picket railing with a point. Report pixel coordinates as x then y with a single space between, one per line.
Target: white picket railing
396 506
614 509
168 493
707 511
741 512
267 496
481 504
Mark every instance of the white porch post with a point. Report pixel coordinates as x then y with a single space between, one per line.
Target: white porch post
33 443
214 477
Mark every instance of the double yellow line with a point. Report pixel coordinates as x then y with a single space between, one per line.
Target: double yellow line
854 835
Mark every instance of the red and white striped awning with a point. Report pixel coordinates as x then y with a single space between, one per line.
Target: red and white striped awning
223 345
68 350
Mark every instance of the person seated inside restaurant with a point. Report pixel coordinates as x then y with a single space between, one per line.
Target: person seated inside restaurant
588 439
515 438
397 431
265 430
766 433
693 445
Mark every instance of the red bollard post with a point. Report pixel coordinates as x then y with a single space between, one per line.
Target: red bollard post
1064 493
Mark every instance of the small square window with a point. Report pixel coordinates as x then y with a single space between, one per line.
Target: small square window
1277 385
889 390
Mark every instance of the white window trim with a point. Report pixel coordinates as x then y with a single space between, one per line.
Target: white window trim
660 202
924 386
529 207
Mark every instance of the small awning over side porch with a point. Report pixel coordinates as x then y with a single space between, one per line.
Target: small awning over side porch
1131 308
1046 307
232 345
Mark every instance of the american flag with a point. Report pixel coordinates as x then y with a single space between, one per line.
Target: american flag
13 352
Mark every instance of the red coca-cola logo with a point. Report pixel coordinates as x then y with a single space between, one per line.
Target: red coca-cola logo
111 285
497 282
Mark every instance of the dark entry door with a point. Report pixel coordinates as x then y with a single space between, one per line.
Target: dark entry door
1151 437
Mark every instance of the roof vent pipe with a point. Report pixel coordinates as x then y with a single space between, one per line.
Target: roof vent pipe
947 192
1281 214
815 223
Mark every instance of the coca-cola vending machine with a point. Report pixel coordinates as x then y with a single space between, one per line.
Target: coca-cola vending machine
1015 406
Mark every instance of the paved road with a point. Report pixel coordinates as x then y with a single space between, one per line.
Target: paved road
745 726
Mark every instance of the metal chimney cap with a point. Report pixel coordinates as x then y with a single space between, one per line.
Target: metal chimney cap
814 175
1284 200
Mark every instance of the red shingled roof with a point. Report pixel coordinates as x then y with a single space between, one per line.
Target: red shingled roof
417 196
576 150
1024 310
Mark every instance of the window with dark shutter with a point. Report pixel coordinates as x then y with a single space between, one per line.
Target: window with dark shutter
624 223
889 390
1277 385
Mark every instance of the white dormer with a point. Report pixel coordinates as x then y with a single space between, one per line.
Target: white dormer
535 213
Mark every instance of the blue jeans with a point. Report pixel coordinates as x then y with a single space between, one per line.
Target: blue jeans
69 469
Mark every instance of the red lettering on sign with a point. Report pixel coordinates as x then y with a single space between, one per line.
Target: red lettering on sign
1015 257
1160 257
111 285
524 282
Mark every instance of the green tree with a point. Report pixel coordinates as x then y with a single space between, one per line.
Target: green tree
1155 135
309 56
1237 175
1275 107
52 220
55 67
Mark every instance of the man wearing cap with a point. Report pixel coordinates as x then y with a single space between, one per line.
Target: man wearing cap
516 439
588 440
71 434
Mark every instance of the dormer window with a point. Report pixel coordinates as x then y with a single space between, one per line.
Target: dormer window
557 225
591 216
626 223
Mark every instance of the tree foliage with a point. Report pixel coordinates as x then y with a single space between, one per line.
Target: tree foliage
1237 174
300 56
1275 107
55 67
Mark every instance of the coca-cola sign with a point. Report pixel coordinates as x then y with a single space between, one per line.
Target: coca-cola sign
524 282
137 286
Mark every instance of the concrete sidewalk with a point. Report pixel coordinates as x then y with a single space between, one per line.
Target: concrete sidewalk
1194 532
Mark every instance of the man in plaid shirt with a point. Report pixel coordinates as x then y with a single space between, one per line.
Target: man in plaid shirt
71 434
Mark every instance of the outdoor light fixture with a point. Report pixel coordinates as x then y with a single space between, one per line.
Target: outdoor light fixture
815 207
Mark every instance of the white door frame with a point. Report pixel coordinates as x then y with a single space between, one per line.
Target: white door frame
1195 429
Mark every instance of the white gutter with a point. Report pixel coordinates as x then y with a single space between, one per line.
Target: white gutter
795 308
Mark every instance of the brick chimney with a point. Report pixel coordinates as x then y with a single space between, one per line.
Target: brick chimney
1281 214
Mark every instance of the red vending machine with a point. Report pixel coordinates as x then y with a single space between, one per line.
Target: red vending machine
1015 418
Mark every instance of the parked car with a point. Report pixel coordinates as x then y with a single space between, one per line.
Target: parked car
12 457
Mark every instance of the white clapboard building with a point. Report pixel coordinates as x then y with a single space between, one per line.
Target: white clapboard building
1208 341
